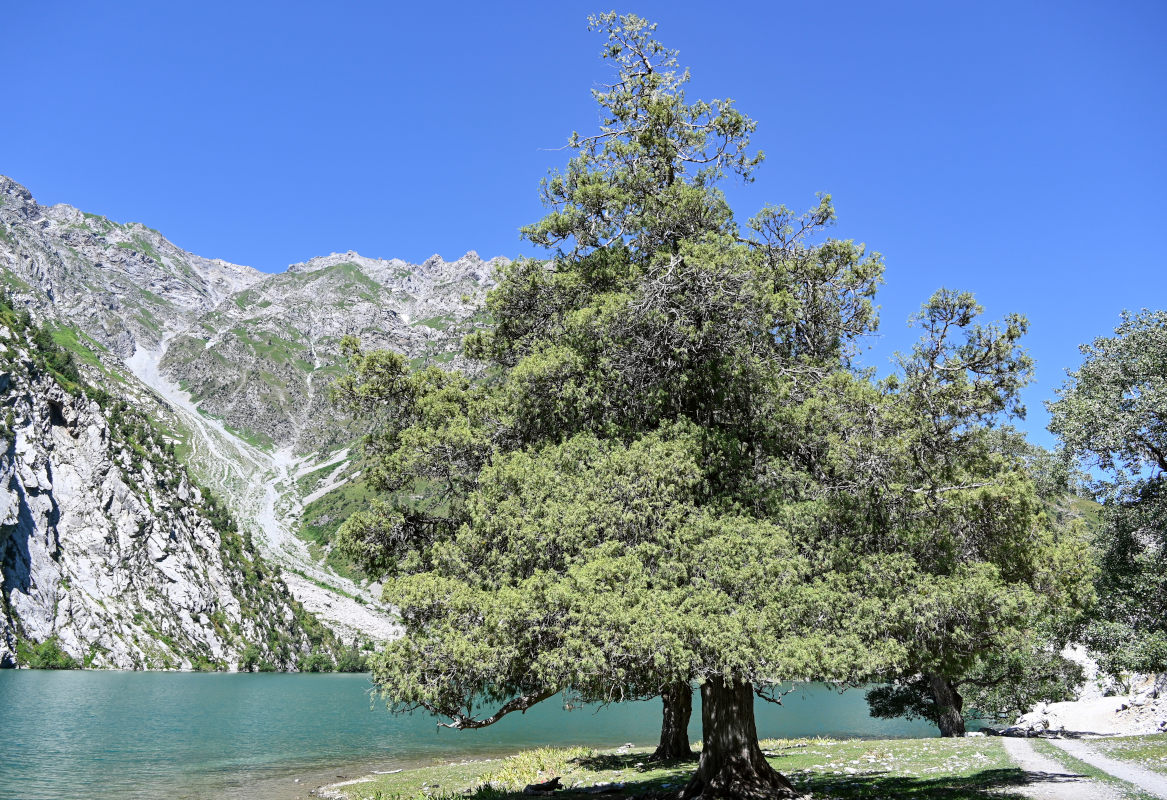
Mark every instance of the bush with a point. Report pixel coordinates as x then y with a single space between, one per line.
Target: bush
45 655
249 658
351 660
316 661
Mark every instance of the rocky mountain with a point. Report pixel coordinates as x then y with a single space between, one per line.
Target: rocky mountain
124 285
110 555
255 351
262 360
231 367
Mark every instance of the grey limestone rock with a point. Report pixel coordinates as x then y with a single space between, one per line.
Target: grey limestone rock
106 547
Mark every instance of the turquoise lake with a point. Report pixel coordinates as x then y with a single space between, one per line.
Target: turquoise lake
147 736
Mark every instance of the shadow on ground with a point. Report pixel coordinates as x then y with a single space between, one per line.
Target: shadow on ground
666 780
989 783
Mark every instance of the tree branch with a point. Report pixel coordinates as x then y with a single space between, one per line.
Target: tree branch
462 722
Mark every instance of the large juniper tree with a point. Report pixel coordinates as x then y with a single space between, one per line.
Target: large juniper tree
665 476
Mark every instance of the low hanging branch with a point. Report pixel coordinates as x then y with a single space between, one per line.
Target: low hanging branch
462 722
768 694
939 489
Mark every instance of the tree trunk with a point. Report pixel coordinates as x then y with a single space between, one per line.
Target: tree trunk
949 706
674 729
732 764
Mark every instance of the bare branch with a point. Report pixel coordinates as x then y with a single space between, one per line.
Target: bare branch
521 704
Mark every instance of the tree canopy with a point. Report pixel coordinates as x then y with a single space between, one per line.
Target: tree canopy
1112 414
674 471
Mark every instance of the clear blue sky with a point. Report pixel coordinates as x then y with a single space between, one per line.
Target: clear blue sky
1015 149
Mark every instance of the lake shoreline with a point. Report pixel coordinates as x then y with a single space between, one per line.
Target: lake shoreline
844 769
113 735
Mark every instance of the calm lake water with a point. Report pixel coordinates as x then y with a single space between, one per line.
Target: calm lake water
142 736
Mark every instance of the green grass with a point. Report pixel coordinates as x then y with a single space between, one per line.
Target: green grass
327 586
323 517
84 348
270 346
923 769
256 439
140 245
325 514
309 481
1146 751
1126 790
14 281
103 223
439 323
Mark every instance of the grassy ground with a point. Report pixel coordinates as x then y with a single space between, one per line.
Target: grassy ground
921 769
1147 751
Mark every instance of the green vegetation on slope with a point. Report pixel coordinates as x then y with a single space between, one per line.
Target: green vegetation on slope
55 352
48 356
44 655
322 518
140 245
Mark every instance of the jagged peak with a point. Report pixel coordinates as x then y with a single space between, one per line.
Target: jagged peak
11 188
66 213
379 267
317 263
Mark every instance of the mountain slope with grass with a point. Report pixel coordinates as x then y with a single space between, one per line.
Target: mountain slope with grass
263 360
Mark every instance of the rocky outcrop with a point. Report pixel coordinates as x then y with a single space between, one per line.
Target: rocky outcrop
108 549
1141 711
233 367
1105 706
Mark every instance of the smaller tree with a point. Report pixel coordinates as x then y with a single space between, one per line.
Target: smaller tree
997 685
1112 415
990 571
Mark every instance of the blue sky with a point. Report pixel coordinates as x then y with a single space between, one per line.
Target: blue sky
1014 149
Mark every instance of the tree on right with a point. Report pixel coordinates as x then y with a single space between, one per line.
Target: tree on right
1111 414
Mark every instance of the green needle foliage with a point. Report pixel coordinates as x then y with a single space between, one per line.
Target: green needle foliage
674 473
1112 414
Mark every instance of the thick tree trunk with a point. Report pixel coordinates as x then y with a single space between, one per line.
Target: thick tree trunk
674 729
732 765
949 706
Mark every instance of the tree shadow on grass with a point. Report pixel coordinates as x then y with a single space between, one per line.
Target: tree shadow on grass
631 761
667 780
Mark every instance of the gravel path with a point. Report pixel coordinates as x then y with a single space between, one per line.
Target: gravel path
1149 781
1046 779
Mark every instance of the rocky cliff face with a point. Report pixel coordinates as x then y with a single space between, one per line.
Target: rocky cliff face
107 548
